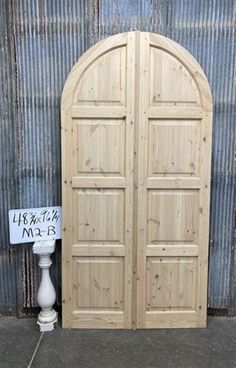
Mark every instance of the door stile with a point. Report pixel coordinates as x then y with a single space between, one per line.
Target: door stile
135 181
204 216
67 216
129 172
141 184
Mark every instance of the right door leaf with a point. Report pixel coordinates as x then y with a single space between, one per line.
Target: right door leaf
173 179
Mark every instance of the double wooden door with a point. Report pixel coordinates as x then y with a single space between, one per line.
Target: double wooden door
136 144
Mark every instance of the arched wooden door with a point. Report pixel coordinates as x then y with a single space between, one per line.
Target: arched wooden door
136 149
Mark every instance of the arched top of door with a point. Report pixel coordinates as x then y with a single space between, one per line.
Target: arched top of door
109 55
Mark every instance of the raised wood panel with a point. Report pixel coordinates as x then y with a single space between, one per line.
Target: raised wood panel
172 216
171 84
103 82
182 137
171 283
99 215
108 138
98 283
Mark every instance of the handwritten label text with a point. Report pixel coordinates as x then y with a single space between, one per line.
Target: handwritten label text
35 224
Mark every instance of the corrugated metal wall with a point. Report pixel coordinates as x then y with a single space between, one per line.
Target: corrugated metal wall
40 41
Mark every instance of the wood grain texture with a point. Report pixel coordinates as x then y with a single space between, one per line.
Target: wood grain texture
136 155
99 168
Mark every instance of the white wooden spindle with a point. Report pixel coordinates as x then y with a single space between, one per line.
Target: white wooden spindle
46 296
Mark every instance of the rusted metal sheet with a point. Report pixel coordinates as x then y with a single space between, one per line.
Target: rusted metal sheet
40 42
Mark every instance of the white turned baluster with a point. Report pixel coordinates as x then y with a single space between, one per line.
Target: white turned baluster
46 296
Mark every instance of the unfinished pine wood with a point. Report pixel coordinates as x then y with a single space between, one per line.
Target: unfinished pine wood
173 184
98 119
136 152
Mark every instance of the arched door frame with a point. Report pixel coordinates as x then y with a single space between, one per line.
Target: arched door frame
137 45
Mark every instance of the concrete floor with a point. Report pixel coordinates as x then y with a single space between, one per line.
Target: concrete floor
23 346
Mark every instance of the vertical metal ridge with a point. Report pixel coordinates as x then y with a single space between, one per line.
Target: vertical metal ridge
7 164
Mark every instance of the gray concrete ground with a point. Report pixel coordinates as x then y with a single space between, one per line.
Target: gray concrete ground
23 346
